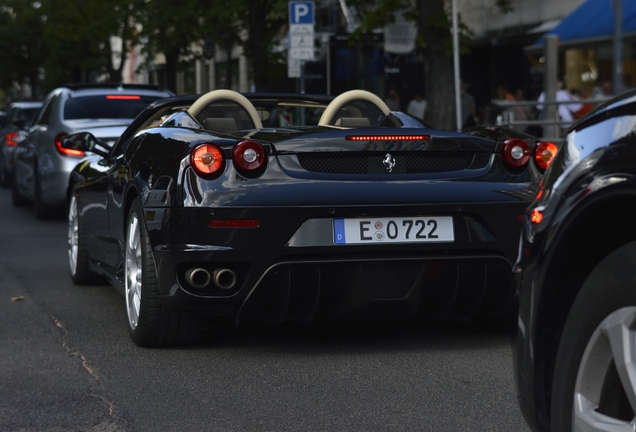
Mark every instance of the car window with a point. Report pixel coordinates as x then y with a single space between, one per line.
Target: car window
27 114
45 117
106 106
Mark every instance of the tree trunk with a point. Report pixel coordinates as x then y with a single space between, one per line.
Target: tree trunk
172 57
438 65
440 91
257 45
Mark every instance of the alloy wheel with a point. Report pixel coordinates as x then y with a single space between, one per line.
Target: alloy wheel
133 271
73 235
605 389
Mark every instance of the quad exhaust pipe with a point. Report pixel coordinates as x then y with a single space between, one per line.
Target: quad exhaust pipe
224 278
200 278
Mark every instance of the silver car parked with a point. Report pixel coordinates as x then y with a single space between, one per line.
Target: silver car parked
42 166
18 119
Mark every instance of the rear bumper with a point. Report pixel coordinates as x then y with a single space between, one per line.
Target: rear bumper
282 279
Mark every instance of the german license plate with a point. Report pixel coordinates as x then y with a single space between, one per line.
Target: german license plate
393 230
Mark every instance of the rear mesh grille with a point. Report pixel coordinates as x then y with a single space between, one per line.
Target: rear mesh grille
372 162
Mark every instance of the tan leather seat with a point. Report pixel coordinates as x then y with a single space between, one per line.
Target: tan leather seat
222 125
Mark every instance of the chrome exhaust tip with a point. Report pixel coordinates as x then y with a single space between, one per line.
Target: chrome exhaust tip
198 277
224 278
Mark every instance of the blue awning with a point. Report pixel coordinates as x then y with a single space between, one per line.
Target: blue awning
591 22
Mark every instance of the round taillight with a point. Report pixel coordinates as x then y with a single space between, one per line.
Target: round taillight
207 159
516 152
248 155
544 154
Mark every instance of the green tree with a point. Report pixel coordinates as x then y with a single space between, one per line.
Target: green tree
78 35
177 29
264 20
21 43
171 28
62 40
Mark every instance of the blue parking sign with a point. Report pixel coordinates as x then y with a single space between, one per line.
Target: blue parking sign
301 12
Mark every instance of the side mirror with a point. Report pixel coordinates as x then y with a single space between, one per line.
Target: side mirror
86 142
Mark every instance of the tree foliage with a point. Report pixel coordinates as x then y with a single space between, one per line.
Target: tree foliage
59 41
78 35
21 42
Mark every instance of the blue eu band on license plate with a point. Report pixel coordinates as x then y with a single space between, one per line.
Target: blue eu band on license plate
416 229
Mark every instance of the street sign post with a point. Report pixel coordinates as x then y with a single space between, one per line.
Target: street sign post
301 38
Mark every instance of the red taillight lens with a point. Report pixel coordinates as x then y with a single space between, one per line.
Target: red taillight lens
248 155
207 159
544 154
64 151
516 152
10 139
536 216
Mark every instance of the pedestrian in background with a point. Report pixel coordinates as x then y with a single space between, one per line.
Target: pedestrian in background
604 91
564 110
393 100
504 95
417 106
468 110
582 95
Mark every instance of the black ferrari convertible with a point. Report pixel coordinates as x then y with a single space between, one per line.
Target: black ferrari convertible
299 208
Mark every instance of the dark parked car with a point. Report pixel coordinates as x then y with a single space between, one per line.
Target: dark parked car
12 131
42 166
298 208
575 350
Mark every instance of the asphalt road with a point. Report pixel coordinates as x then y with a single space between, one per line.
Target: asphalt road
68 364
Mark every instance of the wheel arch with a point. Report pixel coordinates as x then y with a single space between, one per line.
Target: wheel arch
573 256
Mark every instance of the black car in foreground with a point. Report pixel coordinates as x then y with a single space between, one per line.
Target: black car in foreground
575 350
298 208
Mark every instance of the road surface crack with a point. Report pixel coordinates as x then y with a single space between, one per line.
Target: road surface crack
75 354
93 393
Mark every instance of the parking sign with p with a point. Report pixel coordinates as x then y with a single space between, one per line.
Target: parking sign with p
301 13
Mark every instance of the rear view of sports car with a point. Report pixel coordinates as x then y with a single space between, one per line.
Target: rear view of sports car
298 208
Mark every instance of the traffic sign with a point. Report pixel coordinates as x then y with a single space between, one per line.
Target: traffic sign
301 12
301 53
301 41
301 36
301 29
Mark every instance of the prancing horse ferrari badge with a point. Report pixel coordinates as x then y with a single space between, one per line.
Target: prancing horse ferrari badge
389 162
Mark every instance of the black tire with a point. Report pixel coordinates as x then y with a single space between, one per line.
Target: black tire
607 289
16 196
42 210
5 180
155 325
79 259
